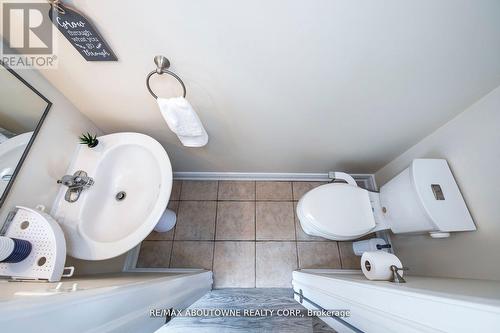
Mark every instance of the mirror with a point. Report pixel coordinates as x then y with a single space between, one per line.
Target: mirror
22 111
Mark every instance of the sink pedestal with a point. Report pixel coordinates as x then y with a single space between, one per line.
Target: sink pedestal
167 221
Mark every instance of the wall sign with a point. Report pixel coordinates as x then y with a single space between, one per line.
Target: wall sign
80 33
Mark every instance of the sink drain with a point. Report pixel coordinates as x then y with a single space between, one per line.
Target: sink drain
120 195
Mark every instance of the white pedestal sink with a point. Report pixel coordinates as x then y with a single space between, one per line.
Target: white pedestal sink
132 183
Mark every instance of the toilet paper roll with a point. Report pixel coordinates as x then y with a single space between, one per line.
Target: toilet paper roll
376 265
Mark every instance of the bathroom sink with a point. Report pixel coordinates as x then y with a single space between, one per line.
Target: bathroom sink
132 183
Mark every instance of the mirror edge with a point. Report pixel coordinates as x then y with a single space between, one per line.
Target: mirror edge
33 137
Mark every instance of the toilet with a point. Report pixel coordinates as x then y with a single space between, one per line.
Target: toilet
423 198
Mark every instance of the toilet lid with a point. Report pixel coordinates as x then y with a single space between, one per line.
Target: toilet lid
337 209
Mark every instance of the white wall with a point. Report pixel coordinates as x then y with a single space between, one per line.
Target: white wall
471 145
49 159
288 85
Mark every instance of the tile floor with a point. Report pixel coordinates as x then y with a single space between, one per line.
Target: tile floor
246 232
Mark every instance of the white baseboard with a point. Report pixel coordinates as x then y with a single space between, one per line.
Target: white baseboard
368 179
251 176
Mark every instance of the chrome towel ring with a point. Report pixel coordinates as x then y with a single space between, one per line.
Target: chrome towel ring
162 63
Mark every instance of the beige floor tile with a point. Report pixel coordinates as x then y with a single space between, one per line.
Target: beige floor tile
236 190
234 265
192 254
275 221
318 255
235 220
154 254
169 235
275 263
301 188
196 220
301 235
199 190
347 256
175 194
275 191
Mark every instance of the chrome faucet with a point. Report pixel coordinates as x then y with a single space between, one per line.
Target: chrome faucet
76 183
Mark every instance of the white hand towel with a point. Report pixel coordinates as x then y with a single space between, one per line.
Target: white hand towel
183 121
180 116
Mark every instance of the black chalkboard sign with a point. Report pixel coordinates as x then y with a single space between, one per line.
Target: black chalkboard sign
81 34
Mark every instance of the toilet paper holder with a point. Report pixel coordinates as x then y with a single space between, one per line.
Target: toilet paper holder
396 277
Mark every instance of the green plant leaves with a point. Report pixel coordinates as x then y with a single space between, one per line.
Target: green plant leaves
88 139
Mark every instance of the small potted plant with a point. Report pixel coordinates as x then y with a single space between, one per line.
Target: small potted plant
89 140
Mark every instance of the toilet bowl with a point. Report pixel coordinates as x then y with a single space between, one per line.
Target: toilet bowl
422 198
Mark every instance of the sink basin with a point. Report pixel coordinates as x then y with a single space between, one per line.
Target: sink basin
132 183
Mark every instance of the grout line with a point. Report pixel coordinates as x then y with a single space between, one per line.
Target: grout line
297 253
177 211
254 191
295 228
176 219
296 238
180 189
198 200
217 194
171 254
175 226
255 235
340 256
215 228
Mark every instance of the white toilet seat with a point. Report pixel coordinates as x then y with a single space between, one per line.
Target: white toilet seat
336 211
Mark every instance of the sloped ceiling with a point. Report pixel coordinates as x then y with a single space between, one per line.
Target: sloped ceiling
288 85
